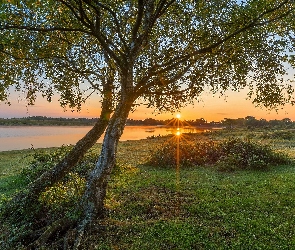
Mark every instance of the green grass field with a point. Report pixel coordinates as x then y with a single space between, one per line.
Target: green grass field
196 208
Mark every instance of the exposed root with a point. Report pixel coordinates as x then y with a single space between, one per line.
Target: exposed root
57 227
88 227
91 224
69 239
79 237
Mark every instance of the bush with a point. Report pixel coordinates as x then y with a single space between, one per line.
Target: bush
191 153
42 161
228 154
278 134
249 155
61 201
64 195
63 198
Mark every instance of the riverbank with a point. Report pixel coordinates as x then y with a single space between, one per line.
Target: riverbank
197 208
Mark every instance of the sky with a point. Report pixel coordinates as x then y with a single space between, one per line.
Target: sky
211 108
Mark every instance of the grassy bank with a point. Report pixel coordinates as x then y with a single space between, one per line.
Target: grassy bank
197 208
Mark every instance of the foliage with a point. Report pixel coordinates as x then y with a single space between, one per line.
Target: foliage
252 122
219 45
44 160
228 154
247 122
47 121
63 196
26 214
239 154
41 162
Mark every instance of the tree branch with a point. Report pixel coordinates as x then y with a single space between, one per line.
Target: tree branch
138 20
141 87
112 13
105 43
177 60
29 58
160 11
39 29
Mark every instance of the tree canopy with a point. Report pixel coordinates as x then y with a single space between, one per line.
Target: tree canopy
173 49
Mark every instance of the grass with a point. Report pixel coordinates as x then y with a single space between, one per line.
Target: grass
199 208
203 210
11 162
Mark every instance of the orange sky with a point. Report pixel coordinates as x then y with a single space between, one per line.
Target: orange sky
210 108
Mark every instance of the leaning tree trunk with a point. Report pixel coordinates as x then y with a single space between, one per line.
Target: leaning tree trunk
63 167
71 159
93 199
47 179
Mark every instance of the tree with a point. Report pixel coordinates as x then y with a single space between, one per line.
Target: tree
161 52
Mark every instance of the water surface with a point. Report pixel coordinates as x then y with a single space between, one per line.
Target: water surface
24 137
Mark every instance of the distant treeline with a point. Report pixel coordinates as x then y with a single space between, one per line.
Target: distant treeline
248 122
252 122
47 121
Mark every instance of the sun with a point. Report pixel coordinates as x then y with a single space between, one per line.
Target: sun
178 115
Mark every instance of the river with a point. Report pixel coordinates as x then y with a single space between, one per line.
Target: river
25 137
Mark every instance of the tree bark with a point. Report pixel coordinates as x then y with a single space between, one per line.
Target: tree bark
93 199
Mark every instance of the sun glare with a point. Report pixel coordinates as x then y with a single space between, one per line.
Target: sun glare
178 133
178 115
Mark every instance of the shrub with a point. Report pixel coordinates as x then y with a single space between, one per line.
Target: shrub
65 194
228 154
191 153
43 161
63 198
249 155
61 201
278 134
